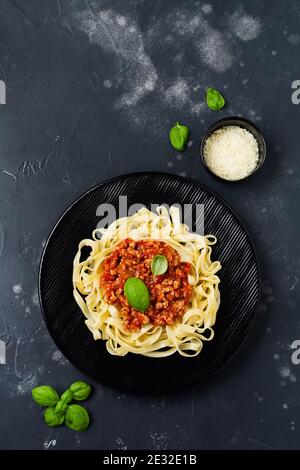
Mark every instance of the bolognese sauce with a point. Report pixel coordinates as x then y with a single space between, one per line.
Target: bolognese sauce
169 293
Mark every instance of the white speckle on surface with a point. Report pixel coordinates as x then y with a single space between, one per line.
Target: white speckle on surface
294 39
190 143
160 440
107 83
197 108
9 173
242 64
292 426
28 310
182 173
276 357
258 397
206 8
26 379
121 444
290 171
121 20
120 35
215 51
295 282
178 93
66 179
170 164
293 378
35 298
49 442
58 357
245 81
121 397
245 27
274 53
284 371
17 289
285 406
26 383
212 46
179 157
282 383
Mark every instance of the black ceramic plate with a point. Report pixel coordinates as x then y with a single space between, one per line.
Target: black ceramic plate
240 285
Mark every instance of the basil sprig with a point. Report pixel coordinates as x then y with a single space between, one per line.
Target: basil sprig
53 419
77 418
80 390
179 136
137 293
159 265
59 410
67 396
214 99
45 395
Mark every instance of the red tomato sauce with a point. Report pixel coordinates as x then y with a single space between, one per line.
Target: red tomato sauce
169 293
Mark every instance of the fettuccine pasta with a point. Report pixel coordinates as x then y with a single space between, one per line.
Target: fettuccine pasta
105 320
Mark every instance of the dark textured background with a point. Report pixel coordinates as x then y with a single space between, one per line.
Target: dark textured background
92 90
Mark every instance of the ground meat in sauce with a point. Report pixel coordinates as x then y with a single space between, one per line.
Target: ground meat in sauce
169 293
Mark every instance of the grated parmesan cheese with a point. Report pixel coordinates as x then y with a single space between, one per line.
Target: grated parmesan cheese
231 152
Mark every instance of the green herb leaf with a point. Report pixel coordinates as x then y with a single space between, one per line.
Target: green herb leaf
77 418
53 419
179 136
61 408
137 293
45 395
214 99
159 265
67 396
80 390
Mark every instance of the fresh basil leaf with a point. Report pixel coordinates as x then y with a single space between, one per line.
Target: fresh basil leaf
137 293
52 418
61 408
67 396
80 390
77 418
179 136
45 395
214 99
159 265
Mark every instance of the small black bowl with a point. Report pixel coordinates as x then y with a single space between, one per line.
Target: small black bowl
245 124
